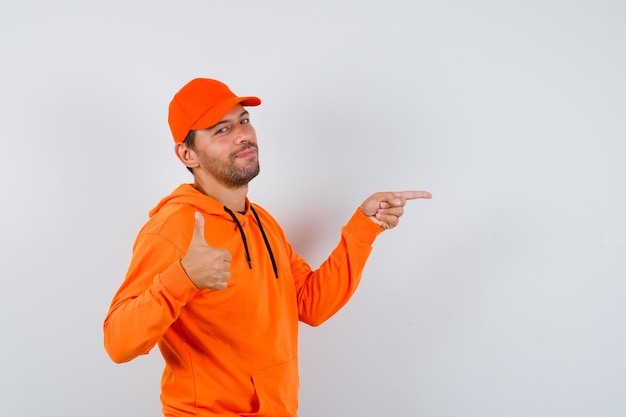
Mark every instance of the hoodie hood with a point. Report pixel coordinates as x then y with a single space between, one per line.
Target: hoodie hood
187 194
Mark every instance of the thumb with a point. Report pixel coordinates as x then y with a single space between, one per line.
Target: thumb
198 229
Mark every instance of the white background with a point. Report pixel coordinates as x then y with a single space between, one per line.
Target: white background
504 295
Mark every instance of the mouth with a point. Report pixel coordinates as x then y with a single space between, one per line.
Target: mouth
246 153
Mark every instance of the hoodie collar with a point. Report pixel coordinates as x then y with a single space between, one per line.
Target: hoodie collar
187 194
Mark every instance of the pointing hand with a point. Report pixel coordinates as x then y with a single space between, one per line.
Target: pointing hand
385 208
206 267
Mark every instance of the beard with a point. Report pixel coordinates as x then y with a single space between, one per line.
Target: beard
228 172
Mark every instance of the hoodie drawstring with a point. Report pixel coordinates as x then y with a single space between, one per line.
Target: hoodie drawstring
245 241
267 243
243 235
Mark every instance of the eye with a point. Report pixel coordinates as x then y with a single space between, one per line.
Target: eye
244 121
222 130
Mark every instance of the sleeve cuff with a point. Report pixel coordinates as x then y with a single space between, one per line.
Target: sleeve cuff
362 228
175 281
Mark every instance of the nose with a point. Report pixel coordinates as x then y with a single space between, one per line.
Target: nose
244 133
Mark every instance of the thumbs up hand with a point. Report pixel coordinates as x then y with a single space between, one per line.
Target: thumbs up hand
207 267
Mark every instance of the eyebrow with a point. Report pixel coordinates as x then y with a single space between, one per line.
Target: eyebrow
223 121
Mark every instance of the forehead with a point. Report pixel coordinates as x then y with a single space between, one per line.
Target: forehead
235 112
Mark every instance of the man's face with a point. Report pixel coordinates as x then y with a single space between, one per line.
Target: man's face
228 151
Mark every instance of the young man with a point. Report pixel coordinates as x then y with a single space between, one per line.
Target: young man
213 280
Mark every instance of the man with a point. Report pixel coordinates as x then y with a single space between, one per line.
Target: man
213 280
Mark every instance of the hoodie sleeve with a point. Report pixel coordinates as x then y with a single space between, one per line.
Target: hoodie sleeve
321 293
149 300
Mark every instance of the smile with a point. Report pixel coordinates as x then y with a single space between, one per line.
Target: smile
247 153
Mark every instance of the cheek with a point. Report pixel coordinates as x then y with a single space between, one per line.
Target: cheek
212 153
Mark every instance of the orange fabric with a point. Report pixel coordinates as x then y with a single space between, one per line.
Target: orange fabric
231 352
200 104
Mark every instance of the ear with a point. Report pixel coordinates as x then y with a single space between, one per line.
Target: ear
186 155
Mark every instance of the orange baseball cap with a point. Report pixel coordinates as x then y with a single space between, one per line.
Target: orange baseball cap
200 104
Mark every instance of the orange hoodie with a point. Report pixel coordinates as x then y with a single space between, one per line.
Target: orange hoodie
231 352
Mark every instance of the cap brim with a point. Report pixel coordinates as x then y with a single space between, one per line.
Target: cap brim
217 112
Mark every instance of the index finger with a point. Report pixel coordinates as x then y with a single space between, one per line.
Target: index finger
412 195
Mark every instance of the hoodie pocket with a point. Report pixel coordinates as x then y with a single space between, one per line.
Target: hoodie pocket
277 390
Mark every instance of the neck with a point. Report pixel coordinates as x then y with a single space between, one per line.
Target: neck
233 198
